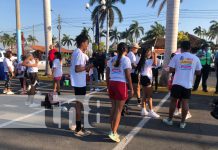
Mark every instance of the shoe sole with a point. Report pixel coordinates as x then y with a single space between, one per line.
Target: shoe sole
113 139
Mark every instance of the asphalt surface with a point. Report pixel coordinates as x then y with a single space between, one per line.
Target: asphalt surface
24 128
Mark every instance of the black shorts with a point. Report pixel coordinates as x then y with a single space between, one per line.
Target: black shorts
180 92
145 81
80 90
135 78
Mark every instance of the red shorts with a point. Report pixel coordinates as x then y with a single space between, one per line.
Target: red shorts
118 90
57 78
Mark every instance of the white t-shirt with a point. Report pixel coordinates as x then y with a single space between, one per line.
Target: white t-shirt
118 73
32 69
7 63
137 58
58 68
185 65
78 58
21 68
147 69
132 58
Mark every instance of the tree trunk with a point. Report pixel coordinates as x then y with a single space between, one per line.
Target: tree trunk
172 21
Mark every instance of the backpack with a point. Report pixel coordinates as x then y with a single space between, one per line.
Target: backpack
51 99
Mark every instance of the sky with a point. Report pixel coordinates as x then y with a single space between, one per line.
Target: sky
74 16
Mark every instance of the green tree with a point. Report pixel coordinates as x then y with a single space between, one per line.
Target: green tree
32 39
115 35
125 35
136 30
213 31
67 40
85 31
198 31
110 7
182 36
157 30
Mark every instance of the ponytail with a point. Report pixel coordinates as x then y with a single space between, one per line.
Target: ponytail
141 61
121 48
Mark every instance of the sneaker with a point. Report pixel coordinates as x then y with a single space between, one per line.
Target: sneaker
182 125
5 91
97 90
205 90
188 116
168 121
125 110
29 87
153 114
72 128
139 103
144 112
114 137
36 82
177 112
116 134
10 93
82 132
27 103
92 89
34 105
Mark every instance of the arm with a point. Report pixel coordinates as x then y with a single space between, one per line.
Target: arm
154 57
129 80
107 76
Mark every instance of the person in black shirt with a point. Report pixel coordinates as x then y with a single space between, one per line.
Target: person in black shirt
101 59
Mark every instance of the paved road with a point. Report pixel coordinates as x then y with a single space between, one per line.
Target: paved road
24 128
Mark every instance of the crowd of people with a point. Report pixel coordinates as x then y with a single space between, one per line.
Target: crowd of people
129 73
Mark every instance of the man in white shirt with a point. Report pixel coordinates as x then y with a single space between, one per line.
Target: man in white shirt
185 66
135 77
78 71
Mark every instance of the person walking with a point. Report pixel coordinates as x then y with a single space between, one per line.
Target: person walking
147 62
78 71
118 75
184 65
206 59
21 75
9 72
57 72
32 63
51 55
101 59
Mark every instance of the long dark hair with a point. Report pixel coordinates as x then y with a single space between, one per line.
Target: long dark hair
142 60
58 55
121 48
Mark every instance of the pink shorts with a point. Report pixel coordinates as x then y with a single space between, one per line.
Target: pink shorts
118 90
57 78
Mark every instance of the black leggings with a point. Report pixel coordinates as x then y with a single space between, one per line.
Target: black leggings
8 80
101 73
33 78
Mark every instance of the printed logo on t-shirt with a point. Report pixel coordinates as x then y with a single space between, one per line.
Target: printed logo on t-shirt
116 70
186 63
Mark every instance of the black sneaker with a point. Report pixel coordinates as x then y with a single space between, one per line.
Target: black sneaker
205 90
139 103
194 90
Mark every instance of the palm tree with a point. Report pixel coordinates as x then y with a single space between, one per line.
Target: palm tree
32 39
213 31
198 31
110 8
125 35
67 40
172 22
205 34
115 35
85 31
163 3
157 30
54 40
135 30
4 39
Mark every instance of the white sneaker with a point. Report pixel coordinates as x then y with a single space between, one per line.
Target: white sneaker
5 91
34 105
10 93
35 83
177 112
72 127
97 90
153 114
188 116
144 112
29 87
92 89
27 103
182 125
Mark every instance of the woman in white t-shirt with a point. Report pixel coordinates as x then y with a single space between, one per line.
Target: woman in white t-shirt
32 64
57 72
9 72
118 74
144 67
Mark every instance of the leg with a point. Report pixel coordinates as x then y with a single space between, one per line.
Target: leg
112 115
55 86
78 116
58 86
138 91
197 81
205 77
172 107
117 116
185 109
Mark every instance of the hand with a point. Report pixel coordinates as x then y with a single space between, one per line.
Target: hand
131 93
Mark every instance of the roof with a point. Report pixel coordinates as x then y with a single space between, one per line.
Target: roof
42 49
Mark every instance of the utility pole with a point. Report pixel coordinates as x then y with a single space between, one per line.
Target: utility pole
59 33
18 30
48 31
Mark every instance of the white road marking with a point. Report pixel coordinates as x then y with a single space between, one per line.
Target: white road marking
32 114
126 140
10 106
